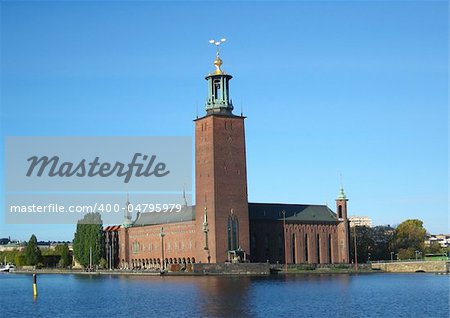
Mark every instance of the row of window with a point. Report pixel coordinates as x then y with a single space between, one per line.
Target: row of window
308 243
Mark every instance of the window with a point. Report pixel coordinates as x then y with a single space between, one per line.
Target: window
280 246
340 212
135 247
293 249
233 233
217 89
329 248
318 249
266 244
306 248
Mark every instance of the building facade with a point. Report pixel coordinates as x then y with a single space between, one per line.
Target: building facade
360 221
223 225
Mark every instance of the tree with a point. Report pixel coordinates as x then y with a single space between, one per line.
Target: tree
32 252
409 237
434 248
63 251
88 237
103 264
372 243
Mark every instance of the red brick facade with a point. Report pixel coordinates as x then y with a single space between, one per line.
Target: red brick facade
221 180
304 242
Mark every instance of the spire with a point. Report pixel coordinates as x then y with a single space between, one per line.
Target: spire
127 213
184 198
218 62
341 195
218 86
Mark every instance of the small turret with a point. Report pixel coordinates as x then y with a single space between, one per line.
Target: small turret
127 214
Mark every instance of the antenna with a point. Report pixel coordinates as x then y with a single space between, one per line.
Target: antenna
340 179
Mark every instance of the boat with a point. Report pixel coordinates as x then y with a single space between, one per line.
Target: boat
7 268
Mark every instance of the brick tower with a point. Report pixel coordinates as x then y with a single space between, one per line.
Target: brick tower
342 228
221 173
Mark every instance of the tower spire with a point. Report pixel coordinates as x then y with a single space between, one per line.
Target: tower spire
218 86
218 62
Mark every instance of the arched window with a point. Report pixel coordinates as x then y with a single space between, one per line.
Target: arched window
233 233
253 245
318 249
306 248
340 211
294 246
280 247
329 249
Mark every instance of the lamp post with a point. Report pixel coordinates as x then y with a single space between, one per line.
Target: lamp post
162 234
356 251
392 256
417 254
284 235
206 230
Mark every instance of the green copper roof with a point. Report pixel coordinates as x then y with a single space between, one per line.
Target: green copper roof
294 212
341 195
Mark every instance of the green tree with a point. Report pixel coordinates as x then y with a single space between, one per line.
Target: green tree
32 252
19 259
103 263
372 243
434 248
89 237
63 251
409 237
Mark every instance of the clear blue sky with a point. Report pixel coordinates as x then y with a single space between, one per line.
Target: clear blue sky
358 88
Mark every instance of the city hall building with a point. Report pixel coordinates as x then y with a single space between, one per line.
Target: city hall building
223 226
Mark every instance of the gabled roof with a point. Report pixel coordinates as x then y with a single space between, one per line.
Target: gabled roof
187 213
294 212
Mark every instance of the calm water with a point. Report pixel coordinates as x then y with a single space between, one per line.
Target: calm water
379 295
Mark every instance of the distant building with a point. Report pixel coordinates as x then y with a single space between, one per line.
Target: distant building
360 221
442 239
4 240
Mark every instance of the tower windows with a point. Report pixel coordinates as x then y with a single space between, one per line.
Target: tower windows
340 211
217 89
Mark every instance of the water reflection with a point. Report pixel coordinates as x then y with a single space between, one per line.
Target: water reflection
224 296
377 295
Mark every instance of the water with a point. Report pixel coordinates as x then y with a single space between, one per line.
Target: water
376 295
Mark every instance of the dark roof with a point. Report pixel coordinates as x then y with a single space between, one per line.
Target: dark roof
257 211
294 212
187 213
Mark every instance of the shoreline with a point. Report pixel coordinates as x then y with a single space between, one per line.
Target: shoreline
148 273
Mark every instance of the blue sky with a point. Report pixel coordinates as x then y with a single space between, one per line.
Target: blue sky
358 88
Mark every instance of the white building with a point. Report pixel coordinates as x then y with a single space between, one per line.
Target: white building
360 221
442 239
